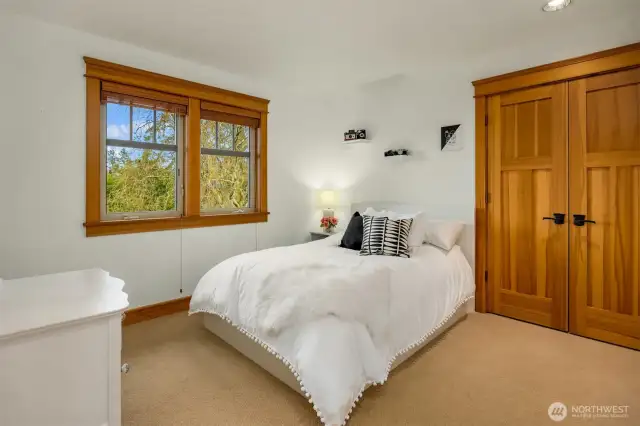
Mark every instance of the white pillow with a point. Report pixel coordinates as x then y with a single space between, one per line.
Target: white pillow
370 211
443 233
418 226
418 231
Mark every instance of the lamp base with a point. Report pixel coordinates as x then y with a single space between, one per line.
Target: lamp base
328 213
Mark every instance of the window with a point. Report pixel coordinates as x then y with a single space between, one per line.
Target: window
142 148
164 153
227 160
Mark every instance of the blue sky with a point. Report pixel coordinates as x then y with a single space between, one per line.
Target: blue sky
118 127
117 121
118 124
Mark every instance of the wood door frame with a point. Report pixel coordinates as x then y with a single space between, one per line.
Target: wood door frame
606 61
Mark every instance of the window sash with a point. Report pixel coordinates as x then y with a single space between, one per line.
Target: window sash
141 145
252 178
179 185
225 152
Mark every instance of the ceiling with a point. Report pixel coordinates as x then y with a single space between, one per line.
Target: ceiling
304 43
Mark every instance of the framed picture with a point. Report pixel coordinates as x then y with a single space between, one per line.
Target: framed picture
450 138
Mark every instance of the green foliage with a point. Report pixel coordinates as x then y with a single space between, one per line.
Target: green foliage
141 180
224 181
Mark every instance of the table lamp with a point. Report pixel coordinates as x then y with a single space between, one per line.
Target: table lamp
328 199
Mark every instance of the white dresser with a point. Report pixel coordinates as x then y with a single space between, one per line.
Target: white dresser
60 343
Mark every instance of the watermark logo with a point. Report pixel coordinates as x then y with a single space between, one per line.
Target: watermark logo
557 411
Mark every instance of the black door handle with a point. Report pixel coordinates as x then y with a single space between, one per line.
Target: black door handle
558 218
580 220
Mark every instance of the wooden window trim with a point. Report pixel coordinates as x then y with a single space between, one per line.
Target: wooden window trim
261 145
210 106
136 101
192 162
107 71
93 153
117 227
230 118
194 97
137 92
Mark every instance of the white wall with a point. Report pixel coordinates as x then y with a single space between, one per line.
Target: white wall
42 148
399 112
42 169
407 110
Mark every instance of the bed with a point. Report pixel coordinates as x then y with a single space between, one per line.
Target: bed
330 323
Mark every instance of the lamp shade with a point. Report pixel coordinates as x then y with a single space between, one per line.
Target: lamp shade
328 198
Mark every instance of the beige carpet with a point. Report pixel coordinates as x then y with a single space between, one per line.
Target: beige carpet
488 370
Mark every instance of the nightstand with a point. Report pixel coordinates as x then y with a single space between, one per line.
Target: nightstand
319 235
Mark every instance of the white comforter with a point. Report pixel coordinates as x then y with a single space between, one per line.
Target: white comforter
338 320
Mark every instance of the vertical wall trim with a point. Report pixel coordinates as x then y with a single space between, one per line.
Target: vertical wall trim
481 204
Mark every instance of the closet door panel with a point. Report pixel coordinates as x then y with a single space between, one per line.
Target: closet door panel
527 182
605 187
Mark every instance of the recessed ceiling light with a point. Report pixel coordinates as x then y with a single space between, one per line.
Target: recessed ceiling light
555 5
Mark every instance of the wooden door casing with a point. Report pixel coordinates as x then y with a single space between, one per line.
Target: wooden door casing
604 146
527 180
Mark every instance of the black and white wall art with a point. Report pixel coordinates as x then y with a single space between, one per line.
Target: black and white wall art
450 138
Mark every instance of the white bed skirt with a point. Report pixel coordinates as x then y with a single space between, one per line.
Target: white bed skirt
256 353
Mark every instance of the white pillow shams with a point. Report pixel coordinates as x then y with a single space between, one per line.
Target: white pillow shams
417 235
443 233
370 211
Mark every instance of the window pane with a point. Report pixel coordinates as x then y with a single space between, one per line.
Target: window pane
118 122
165 127
229 136
207 134
142 124
140 180
225 136
242 138
224 182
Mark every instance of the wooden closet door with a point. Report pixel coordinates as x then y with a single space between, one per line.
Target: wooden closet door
604 145
527 178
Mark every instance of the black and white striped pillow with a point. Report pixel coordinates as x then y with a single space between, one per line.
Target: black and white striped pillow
386 237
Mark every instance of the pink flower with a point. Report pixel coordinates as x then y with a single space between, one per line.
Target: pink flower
328 222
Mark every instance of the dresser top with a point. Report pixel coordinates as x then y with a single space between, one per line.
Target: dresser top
45 301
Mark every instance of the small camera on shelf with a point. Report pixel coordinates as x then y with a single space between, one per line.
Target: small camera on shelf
350 135
353 135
